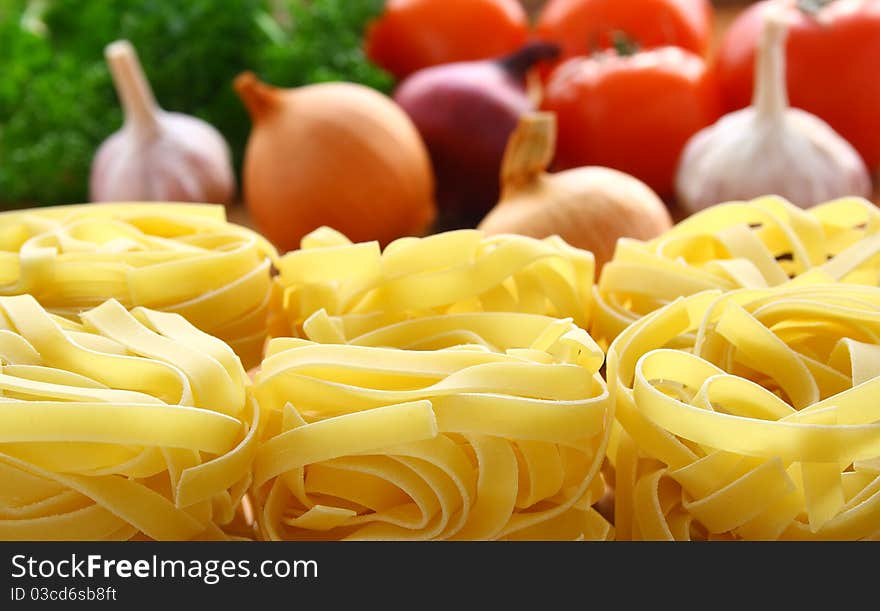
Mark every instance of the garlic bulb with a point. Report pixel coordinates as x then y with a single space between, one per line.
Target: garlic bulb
157 155
769 148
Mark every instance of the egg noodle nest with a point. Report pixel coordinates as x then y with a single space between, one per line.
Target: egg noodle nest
181 258
446 387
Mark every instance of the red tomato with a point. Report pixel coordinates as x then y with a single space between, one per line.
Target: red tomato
582 26
833 57
414 34
631 113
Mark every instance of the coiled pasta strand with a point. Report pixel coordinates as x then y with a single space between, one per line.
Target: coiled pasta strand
750 414
761 243
181 258
459 426
452 272
124 425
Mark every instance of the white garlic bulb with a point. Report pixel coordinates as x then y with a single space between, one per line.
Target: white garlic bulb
769 148
157 155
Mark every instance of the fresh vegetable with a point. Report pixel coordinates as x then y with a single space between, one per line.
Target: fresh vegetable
589 207
56 95
53 114
583 26
316 41
631 110
335 154
465 112
769 147
157 155
415 34
832 54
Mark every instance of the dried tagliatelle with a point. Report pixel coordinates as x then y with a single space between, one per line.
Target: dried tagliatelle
451 272
750 415
757 244
181 258
458 426
124 425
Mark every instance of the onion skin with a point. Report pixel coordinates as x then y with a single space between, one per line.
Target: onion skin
335 154
589 207
465 113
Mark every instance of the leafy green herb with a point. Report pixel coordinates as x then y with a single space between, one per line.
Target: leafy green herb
320 41
57 102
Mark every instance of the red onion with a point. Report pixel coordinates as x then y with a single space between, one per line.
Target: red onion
465 112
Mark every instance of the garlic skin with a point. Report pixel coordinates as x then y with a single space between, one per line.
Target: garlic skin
769 148
157 155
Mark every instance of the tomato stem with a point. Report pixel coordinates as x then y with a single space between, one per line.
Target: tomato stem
812 7
624 44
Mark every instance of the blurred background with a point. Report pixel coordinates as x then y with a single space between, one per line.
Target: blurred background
57 97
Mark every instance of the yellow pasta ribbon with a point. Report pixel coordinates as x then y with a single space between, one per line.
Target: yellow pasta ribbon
473 425
451 272
757 244
179 258
126 424
750 414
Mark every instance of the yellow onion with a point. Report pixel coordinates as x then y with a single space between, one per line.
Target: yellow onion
335 154
589 207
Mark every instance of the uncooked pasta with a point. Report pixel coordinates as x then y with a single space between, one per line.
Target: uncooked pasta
757 244
451 272
457 426
181 258
751 414
123 425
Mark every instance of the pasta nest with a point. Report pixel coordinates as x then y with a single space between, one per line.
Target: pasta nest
458 426
750 415
365 288
757 244
180 258
125 425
